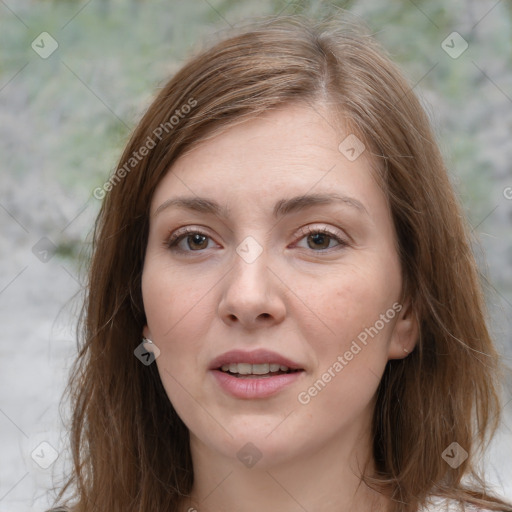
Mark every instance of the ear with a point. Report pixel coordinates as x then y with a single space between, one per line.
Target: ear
146 332
405 333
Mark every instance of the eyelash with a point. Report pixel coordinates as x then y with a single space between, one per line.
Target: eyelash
175 239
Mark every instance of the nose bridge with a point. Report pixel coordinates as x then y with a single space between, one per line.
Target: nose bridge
251 292
250 268
249 250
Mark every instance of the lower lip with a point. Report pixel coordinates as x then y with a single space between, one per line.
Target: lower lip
254 387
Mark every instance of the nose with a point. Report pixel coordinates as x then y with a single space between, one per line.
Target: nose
252 295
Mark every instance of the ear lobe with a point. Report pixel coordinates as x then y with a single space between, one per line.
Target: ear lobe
405 333
146 332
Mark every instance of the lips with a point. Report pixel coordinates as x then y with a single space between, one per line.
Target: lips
256 374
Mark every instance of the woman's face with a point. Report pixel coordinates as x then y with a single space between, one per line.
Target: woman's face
272 249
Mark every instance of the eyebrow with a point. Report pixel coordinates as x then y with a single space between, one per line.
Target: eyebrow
282 207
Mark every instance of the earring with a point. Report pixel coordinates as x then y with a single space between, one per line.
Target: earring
406 351
149 346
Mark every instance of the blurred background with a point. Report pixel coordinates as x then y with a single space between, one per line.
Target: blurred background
76 76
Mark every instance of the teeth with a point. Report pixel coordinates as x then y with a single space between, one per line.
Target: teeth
243 368
253 369
260 369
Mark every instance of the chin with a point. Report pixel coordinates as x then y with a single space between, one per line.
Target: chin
253 442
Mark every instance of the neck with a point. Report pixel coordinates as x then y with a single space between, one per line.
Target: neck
326 479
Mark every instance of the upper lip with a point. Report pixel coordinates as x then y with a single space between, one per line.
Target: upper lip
253 357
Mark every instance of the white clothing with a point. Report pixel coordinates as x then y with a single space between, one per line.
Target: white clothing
437 504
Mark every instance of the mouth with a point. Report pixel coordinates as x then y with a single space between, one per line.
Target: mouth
254 374
256 371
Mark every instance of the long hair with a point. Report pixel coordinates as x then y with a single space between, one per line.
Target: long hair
130 449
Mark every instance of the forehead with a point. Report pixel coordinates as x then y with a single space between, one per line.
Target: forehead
293 148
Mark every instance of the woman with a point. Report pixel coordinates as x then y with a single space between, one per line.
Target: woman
283 309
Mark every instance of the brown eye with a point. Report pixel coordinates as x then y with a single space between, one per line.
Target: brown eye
197 241
188 241
320 239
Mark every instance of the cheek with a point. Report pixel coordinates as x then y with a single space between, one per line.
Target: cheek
169 298
349 319
351 358
357 296
177 317
178 314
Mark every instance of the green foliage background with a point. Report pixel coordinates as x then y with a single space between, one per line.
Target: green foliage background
65 119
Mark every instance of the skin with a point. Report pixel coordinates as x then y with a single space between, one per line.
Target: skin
304 297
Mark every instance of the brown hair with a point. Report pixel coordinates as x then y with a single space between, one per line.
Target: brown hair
130 449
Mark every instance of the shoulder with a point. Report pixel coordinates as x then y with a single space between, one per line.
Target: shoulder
438 504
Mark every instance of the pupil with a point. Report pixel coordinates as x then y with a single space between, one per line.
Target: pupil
322 237
197 237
